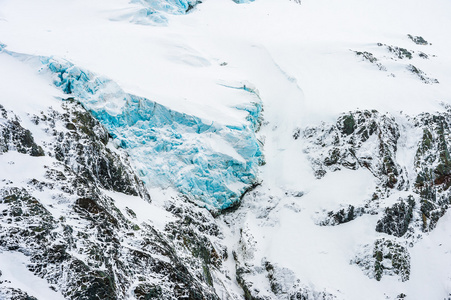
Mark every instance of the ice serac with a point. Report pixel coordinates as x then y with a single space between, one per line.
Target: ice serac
210 162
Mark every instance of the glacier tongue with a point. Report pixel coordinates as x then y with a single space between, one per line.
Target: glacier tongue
212 163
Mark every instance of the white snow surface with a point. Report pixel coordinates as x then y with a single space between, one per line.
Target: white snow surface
300 58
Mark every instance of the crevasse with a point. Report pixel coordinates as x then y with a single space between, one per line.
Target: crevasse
211 163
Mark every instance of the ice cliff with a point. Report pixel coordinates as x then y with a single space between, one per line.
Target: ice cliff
208 161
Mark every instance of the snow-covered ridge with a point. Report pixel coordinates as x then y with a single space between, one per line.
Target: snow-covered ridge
208 161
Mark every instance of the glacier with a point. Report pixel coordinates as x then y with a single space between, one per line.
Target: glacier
169 6
212 163
243 1
152 12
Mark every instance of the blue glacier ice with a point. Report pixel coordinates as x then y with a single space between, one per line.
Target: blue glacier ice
213 164
169 6
243 1
152 12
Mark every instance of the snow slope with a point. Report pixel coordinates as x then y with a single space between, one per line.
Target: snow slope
303 58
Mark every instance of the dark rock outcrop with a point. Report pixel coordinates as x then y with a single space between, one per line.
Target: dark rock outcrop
368 139
396 219
14 137
342 216
360 139
384 257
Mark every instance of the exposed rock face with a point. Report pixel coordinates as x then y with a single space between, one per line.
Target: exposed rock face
419 40
399 55
15 137
368 139
281 284
386 258
397 218
360 139
422 75
73 234
85 135
368 56
433 156
341 216
15 294
433 162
